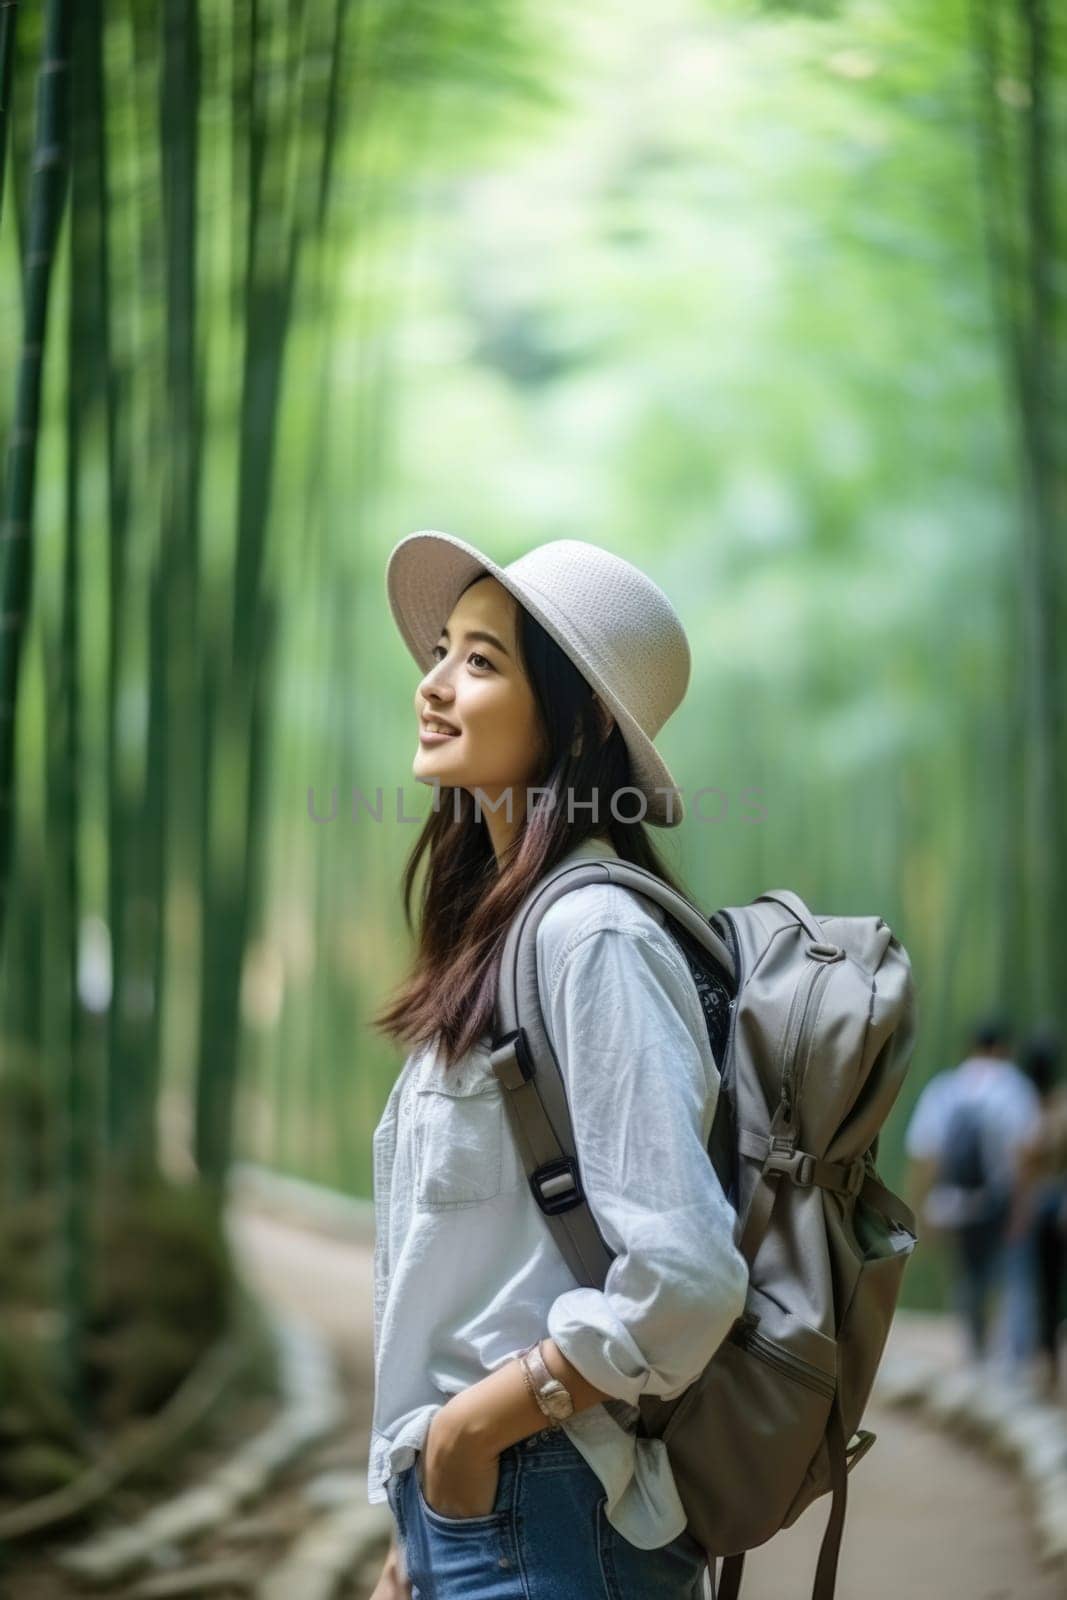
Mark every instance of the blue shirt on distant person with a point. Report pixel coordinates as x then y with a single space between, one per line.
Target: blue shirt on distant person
1010 1107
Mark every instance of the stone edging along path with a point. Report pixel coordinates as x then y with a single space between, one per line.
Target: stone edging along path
1007 1417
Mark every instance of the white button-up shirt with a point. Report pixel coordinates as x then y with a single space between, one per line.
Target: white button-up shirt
467 1274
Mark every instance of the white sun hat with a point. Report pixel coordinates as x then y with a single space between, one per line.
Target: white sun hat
614 623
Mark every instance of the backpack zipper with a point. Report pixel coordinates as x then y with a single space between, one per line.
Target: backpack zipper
792 1366
813 981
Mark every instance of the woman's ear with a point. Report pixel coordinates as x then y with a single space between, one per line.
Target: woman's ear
605 723
604 716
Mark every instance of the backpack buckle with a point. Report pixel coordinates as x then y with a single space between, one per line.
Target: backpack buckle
556 1186
510 1059
796 1164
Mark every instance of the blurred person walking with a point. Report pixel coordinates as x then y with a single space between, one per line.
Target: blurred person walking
964 1141
1037 1230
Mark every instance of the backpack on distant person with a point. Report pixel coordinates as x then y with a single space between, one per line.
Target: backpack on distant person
812 1024
964 1164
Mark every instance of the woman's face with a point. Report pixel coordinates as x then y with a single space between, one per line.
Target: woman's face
480 689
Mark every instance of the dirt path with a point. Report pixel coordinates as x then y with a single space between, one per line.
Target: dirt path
927 1517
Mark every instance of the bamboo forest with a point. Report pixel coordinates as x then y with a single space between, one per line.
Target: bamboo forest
767 297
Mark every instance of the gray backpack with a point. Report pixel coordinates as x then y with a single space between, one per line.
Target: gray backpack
812 1023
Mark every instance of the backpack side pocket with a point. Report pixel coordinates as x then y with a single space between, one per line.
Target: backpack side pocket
887 1249
862 1336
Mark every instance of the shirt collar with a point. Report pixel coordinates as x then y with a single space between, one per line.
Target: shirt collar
589 850
979 1064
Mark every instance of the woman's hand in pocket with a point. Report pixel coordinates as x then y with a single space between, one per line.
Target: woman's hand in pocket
458 1479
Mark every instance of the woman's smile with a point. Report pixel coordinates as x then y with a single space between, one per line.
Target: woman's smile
431 736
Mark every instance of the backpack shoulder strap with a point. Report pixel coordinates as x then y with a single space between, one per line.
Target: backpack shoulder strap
526 1067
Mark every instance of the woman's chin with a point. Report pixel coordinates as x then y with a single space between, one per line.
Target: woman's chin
430 762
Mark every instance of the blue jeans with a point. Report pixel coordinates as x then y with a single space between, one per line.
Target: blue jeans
1034 1265
1016 1335
546 1538
981 1259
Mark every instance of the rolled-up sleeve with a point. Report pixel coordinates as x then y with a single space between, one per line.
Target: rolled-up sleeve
639 1079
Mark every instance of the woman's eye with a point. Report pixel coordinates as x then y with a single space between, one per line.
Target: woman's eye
474 656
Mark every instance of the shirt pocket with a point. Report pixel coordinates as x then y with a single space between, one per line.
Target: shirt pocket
463 1144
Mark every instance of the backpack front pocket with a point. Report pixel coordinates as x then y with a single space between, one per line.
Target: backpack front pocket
772 1366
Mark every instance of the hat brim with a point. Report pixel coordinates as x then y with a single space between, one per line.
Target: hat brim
425 575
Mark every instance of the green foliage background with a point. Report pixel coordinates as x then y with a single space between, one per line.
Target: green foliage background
709 284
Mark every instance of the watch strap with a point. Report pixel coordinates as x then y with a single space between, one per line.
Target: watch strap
534 1363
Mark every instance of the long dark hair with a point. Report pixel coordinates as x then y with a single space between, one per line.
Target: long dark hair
466 902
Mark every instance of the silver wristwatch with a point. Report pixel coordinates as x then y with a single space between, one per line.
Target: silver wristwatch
552 1396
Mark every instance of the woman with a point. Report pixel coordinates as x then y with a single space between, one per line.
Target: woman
504 1431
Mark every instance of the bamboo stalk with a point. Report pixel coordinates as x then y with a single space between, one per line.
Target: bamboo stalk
1020 244
64 712
48 198
270 266
8 18
1044 600
116 392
